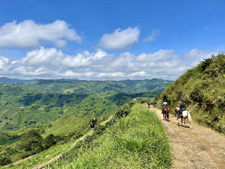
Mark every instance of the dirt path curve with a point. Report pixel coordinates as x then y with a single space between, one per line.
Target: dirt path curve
196 148
82 138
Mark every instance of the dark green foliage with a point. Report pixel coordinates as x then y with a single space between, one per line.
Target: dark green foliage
49 141
206 63
4 161
123 112
32 142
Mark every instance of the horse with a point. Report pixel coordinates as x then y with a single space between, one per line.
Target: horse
166 112
184 115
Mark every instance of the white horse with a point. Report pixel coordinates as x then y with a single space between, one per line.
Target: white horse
185 115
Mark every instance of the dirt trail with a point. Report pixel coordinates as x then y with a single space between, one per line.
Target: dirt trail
196 148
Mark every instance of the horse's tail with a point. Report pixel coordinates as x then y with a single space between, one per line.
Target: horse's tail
189 119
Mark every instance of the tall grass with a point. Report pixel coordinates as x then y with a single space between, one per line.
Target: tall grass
137 141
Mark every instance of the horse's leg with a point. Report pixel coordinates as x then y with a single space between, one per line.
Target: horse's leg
178 120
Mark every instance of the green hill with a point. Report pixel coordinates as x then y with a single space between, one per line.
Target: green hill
135 141
93 87
203 90
46 119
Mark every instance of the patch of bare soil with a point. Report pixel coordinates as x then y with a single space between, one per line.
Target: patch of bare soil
196 148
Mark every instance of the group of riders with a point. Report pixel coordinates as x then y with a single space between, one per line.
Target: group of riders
182 107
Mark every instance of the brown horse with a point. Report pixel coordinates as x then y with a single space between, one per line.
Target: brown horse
166 112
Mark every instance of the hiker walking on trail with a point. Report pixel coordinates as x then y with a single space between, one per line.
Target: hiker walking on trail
93 122
182 108
149 104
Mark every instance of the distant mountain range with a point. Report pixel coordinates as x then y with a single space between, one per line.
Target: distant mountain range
6 80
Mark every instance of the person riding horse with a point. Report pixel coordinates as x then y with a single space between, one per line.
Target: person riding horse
164 104
182 108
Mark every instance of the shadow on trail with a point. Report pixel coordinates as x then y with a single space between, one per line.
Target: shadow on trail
166 120
180 125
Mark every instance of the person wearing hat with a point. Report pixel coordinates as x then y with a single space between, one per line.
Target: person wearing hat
182 108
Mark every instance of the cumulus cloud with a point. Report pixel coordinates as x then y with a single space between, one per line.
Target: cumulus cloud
120 39
100 65
42 57
3 62
153 36
28 34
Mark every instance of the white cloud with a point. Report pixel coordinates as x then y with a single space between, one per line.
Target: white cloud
112 74
3 62
120 39
43 56
153 36
28 34
54 64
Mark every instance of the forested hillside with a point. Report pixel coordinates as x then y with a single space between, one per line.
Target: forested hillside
203 90
93 87
38 115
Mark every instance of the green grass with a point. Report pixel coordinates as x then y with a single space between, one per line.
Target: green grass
43 157
137 141
67 125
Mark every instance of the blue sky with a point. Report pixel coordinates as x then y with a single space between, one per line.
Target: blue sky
113 39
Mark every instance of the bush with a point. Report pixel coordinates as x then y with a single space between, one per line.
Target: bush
5 161
32 142
49 141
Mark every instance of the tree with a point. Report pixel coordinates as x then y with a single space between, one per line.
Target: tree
32 142
49 141
5 161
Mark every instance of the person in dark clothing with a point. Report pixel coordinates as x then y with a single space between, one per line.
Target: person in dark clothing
182 108
93 122
165 104
149 104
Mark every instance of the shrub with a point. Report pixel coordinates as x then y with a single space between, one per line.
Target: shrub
32 142
5 161
49 141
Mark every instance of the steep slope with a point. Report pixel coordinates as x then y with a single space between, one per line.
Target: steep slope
136 141
203 90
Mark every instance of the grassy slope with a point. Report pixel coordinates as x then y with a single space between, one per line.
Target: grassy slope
67 125
137 141
68 128
202 89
